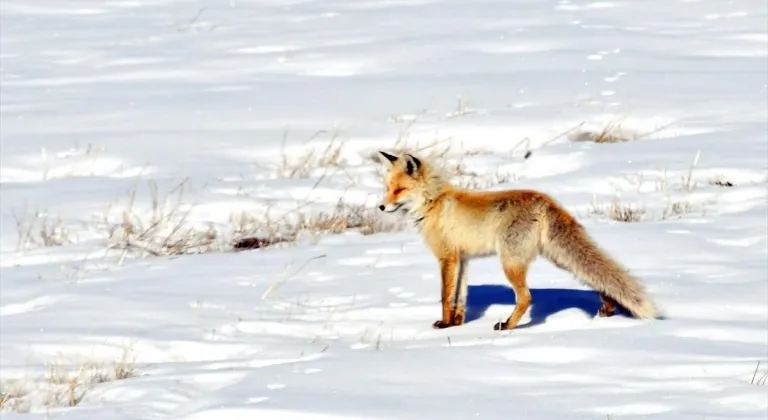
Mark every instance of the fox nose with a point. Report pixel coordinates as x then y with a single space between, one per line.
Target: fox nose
381 207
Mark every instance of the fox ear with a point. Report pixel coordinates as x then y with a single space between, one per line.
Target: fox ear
387 158
412 164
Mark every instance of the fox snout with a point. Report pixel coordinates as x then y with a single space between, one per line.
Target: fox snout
390 208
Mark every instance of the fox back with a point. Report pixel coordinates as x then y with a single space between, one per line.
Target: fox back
471 222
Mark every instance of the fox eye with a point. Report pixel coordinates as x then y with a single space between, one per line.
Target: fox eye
398 191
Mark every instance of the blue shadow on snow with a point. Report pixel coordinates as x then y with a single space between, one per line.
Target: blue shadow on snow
544 302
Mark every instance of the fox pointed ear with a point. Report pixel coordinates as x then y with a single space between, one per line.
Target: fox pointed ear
387 158
412 164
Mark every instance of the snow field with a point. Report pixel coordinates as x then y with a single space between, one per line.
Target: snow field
235 119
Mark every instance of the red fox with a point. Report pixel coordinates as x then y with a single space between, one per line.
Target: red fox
516 225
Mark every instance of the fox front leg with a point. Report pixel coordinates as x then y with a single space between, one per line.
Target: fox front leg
449 272
460 295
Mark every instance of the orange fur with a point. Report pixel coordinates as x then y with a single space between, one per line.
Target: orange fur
516 225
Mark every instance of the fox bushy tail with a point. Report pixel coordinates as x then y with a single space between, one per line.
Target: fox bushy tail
569 246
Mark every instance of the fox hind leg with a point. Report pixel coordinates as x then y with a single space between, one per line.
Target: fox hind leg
518 248
609 306
516 273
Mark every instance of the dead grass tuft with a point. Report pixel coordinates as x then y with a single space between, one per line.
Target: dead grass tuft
467 179
11 398
676 209
611 132
757 378
312 158
124 367
162 230
433 151
619 212
38 229
251 232
461 109
344 217
62 385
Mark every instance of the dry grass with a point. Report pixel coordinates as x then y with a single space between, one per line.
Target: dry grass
619 212
344 217
676 209
12 398
438 151
611 132
37 229
251 232
665 183
435 149
757 378
467 179
63 385
124 367
688 183
312 158
461 109
163 230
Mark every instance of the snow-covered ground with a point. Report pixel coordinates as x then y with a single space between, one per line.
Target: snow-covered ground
217 105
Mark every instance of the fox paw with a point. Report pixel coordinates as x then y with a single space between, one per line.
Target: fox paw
439 325
500 326
605 312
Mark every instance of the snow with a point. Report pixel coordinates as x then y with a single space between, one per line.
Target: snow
104 99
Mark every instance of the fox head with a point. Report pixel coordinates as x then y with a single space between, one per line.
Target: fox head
403 182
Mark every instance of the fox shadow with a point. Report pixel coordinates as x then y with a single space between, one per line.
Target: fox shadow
544 302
